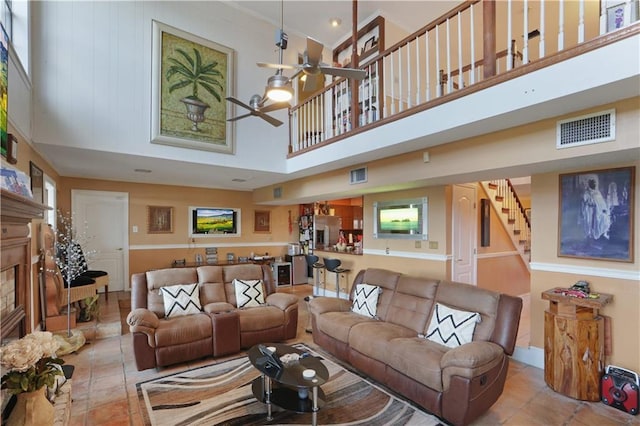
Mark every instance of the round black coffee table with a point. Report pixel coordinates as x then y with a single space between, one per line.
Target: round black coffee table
286 387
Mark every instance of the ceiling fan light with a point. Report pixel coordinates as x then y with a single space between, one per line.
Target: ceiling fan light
279 88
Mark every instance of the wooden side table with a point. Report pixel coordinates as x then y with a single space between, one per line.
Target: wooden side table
574 345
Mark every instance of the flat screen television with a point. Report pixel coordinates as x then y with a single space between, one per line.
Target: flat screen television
210 221
402 219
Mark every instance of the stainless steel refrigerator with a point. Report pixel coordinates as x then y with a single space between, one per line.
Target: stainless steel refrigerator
326 230
299 271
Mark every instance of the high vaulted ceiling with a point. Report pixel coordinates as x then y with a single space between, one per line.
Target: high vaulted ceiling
312 18
109 146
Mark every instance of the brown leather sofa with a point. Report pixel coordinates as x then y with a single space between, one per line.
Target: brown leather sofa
456 384
220 329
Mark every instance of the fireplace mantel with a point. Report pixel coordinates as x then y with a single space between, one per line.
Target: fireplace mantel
16 212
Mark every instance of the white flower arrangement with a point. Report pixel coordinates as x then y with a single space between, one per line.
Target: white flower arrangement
31 362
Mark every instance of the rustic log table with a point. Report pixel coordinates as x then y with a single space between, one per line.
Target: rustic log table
574 344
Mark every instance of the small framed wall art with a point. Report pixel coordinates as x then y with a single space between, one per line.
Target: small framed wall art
262 221
160 220
37 182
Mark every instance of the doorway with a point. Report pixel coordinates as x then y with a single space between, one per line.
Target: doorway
464 229
105 217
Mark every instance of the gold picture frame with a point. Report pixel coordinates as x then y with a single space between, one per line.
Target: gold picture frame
262 221
189 109
160 220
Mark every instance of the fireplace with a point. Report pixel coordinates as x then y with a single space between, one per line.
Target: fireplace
15 263
16 212
12 314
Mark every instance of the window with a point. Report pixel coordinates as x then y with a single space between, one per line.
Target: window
6 17
50 200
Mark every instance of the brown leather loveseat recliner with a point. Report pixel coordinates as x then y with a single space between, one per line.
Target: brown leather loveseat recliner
457 384
219 329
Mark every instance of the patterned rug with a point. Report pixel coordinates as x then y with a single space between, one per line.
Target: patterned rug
220 394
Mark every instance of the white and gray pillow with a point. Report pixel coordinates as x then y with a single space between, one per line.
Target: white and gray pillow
248 293
451 327
182 299
365 300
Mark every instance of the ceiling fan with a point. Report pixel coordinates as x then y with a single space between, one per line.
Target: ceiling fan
257 108
313 68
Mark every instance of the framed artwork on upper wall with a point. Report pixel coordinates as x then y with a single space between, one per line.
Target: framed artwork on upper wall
4 92
191 78
596 214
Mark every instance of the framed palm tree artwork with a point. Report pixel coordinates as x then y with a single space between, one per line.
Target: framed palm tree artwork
191 78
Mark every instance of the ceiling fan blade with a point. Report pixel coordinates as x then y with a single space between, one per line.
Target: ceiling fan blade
314 51
312 82
353 73
240 117
276 106
276 66
237 102
274 122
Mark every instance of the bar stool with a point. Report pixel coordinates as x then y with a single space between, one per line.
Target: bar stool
333 265
313 261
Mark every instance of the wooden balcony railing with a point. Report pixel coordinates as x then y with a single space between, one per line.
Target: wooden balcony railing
470 44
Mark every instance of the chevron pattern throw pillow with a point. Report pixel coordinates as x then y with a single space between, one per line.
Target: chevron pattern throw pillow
451 327
248 293
183 299
365 300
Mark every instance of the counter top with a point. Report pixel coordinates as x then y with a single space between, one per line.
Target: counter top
332 250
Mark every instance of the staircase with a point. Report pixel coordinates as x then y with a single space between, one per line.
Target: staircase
509 209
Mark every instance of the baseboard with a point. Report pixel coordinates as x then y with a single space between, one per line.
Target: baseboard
530 355
319 291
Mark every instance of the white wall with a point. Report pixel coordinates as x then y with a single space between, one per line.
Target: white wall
92 76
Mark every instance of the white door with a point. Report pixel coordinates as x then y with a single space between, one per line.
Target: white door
104 217
464 225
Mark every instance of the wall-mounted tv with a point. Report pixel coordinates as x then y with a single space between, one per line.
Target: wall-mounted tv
214 221
402 219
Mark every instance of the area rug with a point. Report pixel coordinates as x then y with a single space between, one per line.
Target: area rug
220 394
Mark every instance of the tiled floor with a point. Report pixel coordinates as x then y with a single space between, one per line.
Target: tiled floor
104 383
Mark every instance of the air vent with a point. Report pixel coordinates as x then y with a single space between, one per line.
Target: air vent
587 129
358 175
277 192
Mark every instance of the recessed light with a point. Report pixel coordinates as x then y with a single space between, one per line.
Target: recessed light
335 22
142 170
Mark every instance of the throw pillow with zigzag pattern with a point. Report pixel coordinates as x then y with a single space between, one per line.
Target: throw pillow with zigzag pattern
365 300
451 327
248 293
182 299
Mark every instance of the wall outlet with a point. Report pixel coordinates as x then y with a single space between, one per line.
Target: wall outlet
134 229
433 245
418 244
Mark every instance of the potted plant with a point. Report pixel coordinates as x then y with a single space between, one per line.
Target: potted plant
31 365
190 71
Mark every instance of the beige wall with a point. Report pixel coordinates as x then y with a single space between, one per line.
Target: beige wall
148 252
514 277
602 275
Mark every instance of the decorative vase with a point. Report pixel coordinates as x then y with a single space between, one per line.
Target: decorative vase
195 111
32 408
